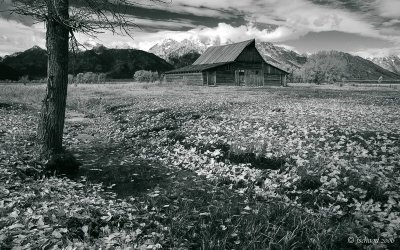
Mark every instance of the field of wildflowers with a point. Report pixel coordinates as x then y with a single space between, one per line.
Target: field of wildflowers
318 153
333 153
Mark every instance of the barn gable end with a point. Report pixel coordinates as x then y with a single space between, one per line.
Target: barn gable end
233 64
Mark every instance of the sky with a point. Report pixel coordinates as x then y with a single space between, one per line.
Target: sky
369 28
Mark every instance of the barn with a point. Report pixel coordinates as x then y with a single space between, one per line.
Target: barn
239 64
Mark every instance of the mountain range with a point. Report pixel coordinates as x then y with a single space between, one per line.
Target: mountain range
360 68
8 73
281 56
169 54
116 63
170 48
331 66
31 62
391 63
285 58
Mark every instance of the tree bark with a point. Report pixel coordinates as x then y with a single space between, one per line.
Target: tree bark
52 116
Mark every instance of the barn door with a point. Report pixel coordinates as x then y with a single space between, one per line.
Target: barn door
240 77
212 77
259 77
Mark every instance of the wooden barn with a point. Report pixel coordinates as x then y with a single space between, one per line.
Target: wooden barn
234 64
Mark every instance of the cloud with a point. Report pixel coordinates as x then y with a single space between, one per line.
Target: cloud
381 52
16 36
6 6
389 8
297 18
222 21
149 24
221 34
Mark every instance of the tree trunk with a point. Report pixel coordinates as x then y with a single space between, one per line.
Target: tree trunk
52 116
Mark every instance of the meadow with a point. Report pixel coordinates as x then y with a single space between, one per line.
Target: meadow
185 167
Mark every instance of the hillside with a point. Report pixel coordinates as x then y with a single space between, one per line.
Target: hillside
334 66
31 62
391 63
179 61
8 73
116 63
280 56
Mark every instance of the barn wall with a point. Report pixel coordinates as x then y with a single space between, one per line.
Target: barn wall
225 77
255 74
187 78
204 77
272 80
239 65
272 70
254 77
250 55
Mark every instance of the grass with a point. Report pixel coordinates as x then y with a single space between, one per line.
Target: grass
179 167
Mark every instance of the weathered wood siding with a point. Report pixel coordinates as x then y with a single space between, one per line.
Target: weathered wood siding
204 77
186 78
226 77
254 77
272 80
240 65
250 55
248 74
272 70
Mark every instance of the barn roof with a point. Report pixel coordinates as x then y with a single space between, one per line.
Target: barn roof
224 53
195 68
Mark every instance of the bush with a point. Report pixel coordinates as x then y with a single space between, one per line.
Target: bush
323 67
24 79
146 76
88 78
70 79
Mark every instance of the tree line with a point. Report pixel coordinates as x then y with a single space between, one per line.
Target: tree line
335 66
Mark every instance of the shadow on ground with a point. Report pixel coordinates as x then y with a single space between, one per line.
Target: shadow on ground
123 174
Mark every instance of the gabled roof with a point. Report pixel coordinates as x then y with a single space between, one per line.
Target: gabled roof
195 68
223 54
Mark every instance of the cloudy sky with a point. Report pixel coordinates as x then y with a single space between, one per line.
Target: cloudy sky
363 27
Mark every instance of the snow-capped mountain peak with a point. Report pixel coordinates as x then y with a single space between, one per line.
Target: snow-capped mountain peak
170 47
391 63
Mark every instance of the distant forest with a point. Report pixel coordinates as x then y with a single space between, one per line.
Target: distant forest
115 63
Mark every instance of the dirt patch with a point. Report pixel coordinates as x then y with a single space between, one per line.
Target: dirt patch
120 171
5 105
130 179
76 117
155 111
258 162
117 109
15 106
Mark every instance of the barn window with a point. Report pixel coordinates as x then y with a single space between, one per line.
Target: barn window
256 72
